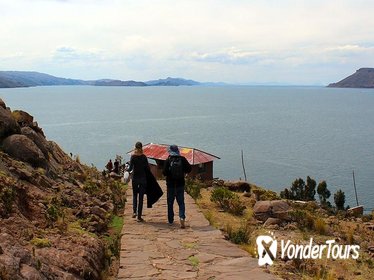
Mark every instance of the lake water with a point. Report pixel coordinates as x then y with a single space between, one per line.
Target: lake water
285 132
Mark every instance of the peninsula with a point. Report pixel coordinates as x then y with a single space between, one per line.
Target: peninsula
363 78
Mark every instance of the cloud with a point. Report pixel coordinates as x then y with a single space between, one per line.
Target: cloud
69 54
228 56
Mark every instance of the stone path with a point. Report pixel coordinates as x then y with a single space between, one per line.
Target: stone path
155 250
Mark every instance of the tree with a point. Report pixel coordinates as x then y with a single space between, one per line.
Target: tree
310 189
323 192
339 198
285 194
298 189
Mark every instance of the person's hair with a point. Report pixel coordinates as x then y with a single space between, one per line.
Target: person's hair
139 147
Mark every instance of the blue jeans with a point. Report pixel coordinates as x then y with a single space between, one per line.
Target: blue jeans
175 192
138 191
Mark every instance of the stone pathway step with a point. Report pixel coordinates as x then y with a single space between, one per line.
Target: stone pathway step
155 250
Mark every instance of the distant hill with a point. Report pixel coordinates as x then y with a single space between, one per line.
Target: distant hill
11 79
29 79
363 78
109 82
172 82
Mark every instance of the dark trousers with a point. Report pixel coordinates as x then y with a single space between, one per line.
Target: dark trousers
175 191
138 191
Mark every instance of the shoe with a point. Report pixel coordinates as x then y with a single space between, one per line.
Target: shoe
170 224
134 215
183 223
139 220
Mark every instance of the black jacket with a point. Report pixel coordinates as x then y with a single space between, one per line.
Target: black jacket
139 164
186 168
153 189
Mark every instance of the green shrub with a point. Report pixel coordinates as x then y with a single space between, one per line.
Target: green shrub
228 201
193 188
52 213
262 194
238 236
235 206
302 218
221 196
7 197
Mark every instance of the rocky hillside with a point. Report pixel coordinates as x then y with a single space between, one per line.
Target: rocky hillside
363 78
56 215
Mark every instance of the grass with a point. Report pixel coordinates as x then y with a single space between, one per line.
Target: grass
194 261
41 242
189 245
116 224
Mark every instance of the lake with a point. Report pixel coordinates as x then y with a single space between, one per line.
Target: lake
284 132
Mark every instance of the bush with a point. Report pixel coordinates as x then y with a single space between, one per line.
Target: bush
262 194
221 196
302 218
7 197
238 236
235 206
193 188
41 242
228 201
320 226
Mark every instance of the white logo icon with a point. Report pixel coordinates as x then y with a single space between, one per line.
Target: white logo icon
267 249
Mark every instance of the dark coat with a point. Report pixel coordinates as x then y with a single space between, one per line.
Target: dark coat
153 189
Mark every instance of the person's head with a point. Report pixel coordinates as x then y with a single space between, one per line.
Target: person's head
139 147
173 150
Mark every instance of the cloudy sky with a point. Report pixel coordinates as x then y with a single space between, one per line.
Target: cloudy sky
239 41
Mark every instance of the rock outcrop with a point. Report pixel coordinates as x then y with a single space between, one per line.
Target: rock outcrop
8 124
54 211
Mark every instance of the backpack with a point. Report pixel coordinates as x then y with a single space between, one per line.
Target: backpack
176 168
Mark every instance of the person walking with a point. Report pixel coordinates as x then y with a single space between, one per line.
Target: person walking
139 167
109 166
176 166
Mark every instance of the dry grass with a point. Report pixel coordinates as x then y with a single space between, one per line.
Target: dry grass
315 226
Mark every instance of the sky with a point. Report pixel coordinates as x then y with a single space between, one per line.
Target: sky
296 42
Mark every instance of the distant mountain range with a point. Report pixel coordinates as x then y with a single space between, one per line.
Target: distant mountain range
363 78
11 79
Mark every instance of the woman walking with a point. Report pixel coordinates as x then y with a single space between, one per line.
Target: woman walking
139 166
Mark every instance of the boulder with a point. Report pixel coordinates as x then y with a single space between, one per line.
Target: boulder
2 104
23 118
37 138
237 186
24 149
272 221
8 125
271 209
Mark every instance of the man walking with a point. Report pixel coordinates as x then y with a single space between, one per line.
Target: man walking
176 166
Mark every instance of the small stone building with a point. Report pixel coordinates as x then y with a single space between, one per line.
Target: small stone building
201 162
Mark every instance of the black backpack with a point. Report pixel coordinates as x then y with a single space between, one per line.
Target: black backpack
176 168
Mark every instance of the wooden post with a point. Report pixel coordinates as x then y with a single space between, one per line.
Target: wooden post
245 175
354 185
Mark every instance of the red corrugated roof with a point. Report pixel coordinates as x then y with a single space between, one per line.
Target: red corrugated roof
194 156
